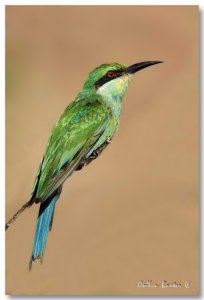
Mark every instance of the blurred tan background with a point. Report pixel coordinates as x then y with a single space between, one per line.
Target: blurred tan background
132 214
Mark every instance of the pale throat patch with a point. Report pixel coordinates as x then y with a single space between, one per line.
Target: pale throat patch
113 91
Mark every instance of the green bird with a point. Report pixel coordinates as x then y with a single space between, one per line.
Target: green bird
83 131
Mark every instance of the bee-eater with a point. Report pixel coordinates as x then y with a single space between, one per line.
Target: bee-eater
83 131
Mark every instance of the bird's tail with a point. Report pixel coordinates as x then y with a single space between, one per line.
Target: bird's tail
44 224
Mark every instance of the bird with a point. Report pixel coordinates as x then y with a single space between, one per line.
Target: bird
83 131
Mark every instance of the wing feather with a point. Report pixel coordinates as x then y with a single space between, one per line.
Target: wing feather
77 131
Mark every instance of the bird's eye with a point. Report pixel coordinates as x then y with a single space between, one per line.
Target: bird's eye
111 74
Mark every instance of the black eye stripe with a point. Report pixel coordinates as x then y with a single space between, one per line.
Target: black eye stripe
106 78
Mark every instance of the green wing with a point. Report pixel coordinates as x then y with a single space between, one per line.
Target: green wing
74 135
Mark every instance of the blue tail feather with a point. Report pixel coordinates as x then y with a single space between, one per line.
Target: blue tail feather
43 226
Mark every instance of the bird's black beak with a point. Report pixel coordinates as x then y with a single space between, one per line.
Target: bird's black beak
137 67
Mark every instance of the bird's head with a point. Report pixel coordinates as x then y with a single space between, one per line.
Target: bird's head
113 79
